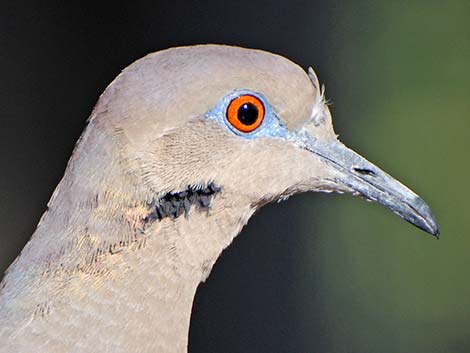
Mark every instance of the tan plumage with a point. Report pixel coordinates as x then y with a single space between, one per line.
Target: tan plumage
102 272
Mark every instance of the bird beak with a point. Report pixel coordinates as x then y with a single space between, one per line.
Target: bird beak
356 175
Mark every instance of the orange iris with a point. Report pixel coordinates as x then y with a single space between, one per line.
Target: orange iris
245 113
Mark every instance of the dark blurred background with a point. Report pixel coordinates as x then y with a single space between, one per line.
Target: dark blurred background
318 273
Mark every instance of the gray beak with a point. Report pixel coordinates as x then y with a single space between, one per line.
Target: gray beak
358 176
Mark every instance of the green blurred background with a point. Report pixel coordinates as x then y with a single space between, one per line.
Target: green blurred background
318 273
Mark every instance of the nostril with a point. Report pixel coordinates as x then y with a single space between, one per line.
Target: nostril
364 171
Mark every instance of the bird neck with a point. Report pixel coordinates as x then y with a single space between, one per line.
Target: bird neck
134 300
103 270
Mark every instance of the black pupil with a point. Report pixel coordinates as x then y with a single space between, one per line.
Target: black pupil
247 114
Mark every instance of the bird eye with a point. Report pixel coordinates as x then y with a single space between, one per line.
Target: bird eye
245 113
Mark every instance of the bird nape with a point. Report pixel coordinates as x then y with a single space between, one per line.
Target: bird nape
180 150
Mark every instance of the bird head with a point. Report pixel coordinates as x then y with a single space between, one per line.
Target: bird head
246 122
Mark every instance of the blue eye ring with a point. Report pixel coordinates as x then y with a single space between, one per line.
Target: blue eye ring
269 125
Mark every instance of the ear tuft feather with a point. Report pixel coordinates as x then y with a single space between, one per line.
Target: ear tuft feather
318 111
313 78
